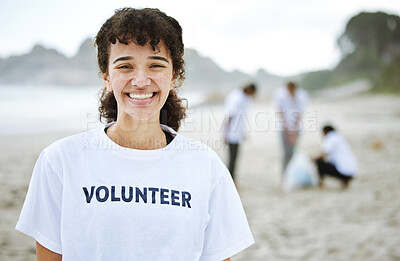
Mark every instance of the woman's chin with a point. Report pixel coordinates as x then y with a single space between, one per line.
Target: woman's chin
143 116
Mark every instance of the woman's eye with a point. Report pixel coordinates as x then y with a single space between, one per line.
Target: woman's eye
124 67
157 66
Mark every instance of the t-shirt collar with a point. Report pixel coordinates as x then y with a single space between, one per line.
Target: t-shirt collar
114 147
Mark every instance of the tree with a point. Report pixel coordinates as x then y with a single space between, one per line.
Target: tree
370 48
370 32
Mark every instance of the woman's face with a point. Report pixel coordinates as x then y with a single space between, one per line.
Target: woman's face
140 79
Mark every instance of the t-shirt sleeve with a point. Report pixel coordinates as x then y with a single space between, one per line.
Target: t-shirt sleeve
227 232
231 105
41 213
328 145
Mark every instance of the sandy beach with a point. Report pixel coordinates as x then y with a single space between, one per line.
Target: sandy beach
360 223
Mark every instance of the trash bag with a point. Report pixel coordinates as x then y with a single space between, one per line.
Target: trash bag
299 173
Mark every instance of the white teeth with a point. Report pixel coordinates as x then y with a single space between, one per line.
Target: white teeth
141 96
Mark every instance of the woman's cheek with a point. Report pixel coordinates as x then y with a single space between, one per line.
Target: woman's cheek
164 80
118 83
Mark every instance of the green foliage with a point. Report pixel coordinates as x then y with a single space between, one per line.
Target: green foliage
363 60
389 80
370 32
315 80
370 47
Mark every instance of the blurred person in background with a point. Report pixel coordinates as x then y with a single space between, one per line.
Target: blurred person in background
337 159
290 104
236 105
135 189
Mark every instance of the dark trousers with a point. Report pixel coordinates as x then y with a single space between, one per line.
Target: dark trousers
233 152
326 168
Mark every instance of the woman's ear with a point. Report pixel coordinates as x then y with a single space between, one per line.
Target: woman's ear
173 82
107 83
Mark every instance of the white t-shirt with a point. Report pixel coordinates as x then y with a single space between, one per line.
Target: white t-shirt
236 104
90 199
340 154
291 107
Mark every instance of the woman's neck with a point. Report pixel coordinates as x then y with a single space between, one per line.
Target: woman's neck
137 134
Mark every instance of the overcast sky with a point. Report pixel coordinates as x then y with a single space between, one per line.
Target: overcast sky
283 37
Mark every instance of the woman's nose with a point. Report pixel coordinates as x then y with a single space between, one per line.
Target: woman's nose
140 79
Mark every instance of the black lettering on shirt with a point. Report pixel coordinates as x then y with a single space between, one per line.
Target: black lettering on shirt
114 194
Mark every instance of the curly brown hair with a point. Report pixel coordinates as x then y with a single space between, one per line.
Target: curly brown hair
143 26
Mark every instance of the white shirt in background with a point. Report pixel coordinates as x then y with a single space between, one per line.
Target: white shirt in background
340 154
236 105
290 106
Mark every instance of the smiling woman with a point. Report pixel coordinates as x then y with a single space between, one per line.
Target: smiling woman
135 189
163 37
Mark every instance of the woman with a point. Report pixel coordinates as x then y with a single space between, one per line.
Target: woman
135 189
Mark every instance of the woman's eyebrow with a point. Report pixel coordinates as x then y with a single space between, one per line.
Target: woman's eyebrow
158 58
123 58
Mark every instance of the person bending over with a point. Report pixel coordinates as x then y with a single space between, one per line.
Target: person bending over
337 159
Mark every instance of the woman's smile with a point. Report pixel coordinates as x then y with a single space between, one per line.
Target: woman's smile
142 98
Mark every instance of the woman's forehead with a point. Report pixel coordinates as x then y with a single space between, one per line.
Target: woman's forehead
132 47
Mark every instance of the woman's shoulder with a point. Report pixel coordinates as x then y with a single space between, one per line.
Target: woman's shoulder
72 143
183 143
201 156
191 145
199 151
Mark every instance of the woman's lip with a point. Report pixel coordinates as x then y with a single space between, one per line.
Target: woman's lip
140 92
141 96
141 101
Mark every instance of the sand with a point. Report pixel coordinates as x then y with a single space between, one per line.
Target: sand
360 223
